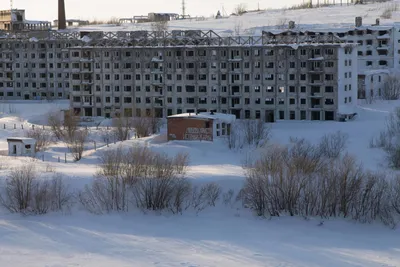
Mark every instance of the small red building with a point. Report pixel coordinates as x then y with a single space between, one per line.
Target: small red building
204 126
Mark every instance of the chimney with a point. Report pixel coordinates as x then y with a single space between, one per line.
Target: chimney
377 22
292 24
358 22
62 24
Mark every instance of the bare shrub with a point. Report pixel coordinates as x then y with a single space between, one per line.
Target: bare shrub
159 26
122 126
49 168
227 197
146 126
235 138
56 123
3 162
76 143
389 139
43 138
240 9
300 180
391 87
63 128
155 186
256 132
333 145
212 193
388 11
150 180
26 192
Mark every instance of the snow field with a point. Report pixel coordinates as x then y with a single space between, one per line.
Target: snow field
220 236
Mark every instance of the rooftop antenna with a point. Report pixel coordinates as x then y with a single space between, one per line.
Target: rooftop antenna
183 8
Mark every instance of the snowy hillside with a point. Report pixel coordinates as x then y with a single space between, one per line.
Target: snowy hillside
218 236
331 16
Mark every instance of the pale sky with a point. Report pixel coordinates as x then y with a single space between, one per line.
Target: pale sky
105 9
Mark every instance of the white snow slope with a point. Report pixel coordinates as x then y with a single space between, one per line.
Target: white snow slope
323 17
220 236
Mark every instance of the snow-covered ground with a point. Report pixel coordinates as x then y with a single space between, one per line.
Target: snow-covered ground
220 236
324 17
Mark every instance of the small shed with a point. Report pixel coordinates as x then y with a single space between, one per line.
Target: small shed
203 126
21 146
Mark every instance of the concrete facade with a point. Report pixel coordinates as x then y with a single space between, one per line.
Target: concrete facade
251 77
378 51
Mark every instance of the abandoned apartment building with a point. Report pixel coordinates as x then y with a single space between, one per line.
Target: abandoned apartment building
143 73
378 50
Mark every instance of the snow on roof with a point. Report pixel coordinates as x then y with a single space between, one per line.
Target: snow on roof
86 39
25 140
207 115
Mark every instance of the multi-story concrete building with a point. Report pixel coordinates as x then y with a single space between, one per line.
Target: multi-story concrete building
13 20
139 73
377 55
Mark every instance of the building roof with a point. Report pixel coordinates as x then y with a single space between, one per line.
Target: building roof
25 140
207 115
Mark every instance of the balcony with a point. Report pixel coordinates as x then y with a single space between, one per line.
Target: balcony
315 95
236 58
157 70
87 81
315 107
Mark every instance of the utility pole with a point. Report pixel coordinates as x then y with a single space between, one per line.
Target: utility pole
11 5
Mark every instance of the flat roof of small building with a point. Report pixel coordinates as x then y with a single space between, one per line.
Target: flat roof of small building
206 115
25 140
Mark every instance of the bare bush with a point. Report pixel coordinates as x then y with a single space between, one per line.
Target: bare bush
240 9
227 197
235 138
56 123
146 126
391 87
300 180
26 192
76 143
138 175
256 132
159 26
43 138
63 128
155 187
122 127
333 145
389 139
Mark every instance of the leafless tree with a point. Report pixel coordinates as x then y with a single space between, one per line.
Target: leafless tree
122 127
63 128
333 145
43 138
235 138
159 26
145 126
76 143
389 139
26 192
256 132
240 9
56 123
391 87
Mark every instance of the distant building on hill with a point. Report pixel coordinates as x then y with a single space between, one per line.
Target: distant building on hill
14 21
